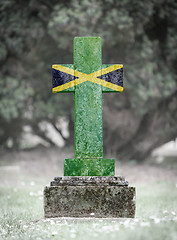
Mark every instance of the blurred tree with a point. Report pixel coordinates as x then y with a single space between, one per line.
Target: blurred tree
141 35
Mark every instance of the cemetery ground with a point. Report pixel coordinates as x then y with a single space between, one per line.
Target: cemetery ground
24 174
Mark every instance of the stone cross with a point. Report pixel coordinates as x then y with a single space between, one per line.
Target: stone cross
88 79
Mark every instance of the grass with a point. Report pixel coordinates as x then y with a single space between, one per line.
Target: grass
21 202
21 216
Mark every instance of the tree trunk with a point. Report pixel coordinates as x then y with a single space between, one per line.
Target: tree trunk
156 127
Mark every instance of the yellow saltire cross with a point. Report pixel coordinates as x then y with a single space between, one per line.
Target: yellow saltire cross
92 77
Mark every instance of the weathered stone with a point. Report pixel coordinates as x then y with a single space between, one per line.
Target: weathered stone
98 193
84 181
88 78
89 197
89 167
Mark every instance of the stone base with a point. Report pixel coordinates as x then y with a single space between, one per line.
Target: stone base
106 197
89 167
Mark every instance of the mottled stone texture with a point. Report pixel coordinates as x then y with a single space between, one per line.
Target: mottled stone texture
84 181
89 197
88 127
86 196
89 167
88 100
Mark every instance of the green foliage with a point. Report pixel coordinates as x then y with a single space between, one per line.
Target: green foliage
36 34
15 97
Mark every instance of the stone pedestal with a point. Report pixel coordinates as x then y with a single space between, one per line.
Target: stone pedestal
103 197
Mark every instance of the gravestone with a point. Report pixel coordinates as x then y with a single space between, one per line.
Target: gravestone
88 187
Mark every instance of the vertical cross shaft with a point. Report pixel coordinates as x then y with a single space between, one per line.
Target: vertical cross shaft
88 100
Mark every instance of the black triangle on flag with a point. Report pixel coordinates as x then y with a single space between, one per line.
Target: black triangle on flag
60 78
114 77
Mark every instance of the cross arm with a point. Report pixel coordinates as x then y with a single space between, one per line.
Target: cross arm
63 78
112 78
